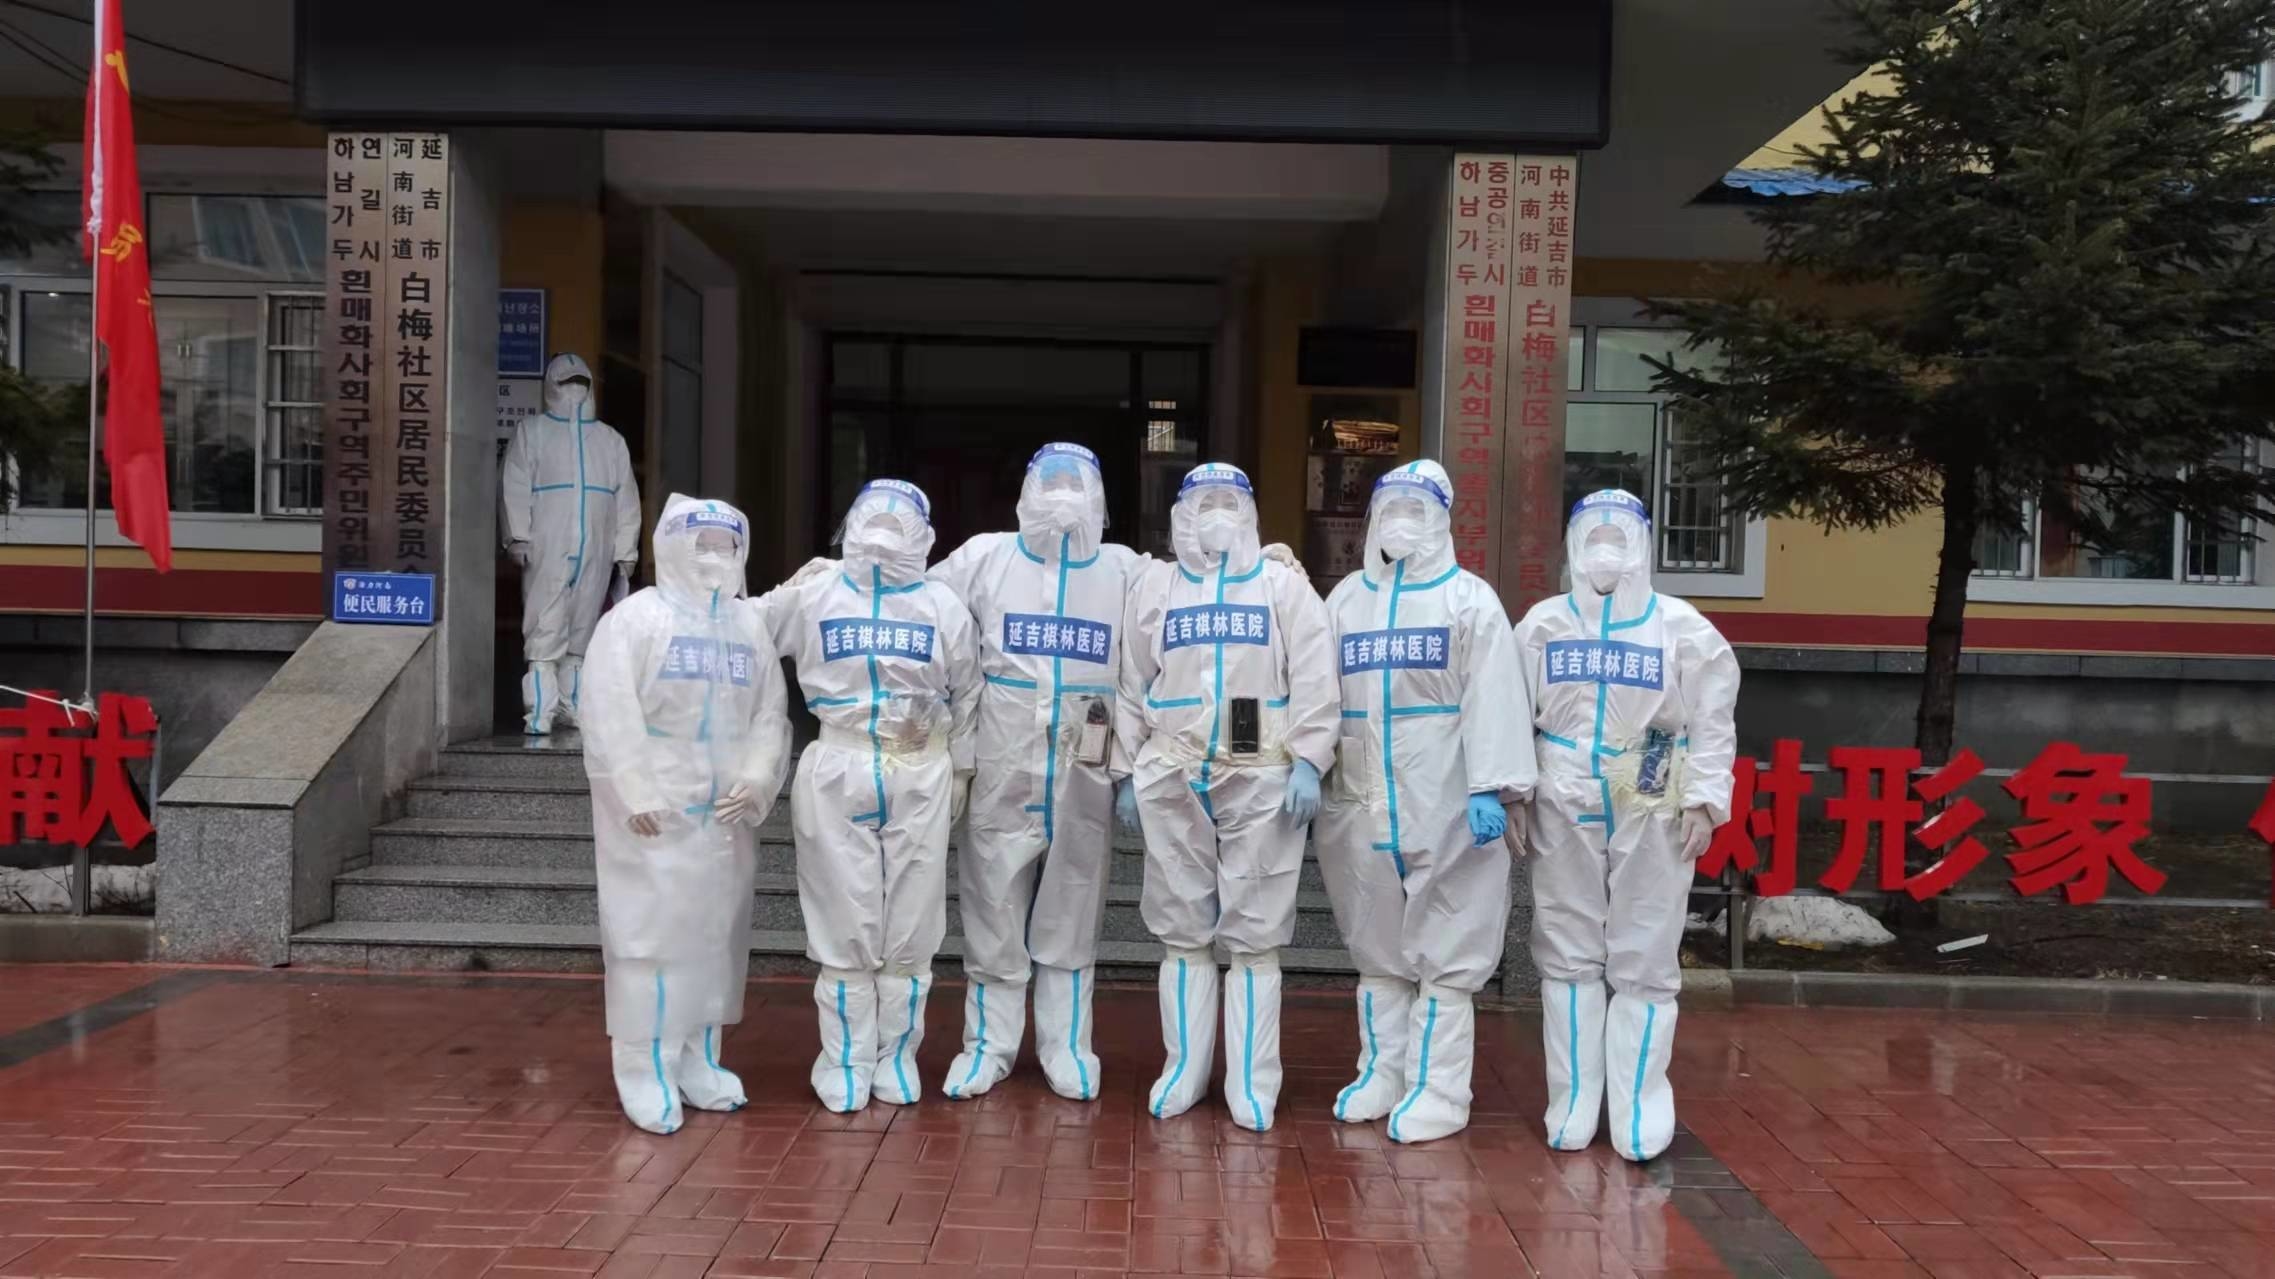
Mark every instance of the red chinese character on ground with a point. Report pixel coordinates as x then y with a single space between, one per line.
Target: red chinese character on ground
1946 832
1863 808
45 760
1783 785
2084 816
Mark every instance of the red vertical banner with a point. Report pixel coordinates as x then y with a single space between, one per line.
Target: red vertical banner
134 428
1540 303
1473 377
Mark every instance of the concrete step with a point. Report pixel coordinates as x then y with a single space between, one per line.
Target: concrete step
562 896
438 947
450 841
502 799
557 758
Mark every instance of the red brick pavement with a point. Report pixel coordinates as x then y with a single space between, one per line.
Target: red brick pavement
335 1127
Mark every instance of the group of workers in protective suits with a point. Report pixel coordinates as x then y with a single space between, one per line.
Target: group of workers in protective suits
1042 684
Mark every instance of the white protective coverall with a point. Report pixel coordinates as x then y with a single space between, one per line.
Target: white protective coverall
686 736
570 507
1634 696
1435 710
1205 639
886 662
1033 870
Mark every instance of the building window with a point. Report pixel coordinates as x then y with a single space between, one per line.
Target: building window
293 396
1621 433
239 364
2140 543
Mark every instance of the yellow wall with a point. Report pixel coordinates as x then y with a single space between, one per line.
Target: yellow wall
1286 299
556 247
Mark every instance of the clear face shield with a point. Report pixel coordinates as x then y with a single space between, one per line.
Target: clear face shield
1411 511
1608 541
568 386
1063 495
888 527
700 550
1220 515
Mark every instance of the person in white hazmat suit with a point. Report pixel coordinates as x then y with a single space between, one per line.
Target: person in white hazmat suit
570 507
1437 738
1228 707
1634 698
886 661
686 742
1047 601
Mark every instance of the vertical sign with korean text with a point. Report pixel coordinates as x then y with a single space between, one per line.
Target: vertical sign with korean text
1540 315
417 330
355 381
386 341
1478 247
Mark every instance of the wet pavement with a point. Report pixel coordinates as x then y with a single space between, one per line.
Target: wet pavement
156 1122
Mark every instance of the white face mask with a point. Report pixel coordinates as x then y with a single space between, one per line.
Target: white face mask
1600 563
1400 535
1217 531
1064 511
716 571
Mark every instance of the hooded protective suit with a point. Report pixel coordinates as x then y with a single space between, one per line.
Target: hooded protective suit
1033 869
685 737
1435 711
1228 705
1634 696
570 507
886 662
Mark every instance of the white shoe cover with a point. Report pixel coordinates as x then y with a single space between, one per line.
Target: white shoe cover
705 1083
900 1031
540 698
848 1061
995 1016
1385 1005
1572 1043
1062 1031
571 668
1639 1041
1252 1040
1439 1054
644 1069
1188 1032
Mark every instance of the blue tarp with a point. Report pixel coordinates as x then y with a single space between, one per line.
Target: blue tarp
1784 182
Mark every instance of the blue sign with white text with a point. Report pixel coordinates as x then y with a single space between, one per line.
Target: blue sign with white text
1587 661
393 599
1216 624
875 637
1039 635
1414 648
696 657
521 333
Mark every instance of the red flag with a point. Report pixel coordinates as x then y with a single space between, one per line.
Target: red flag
134 432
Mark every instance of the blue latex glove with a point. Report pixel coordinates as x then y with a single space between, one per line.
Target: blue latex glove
1302 802
1486 820
1125 804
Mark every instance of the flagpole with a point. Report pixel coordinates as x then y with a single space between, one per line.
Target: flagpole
94 378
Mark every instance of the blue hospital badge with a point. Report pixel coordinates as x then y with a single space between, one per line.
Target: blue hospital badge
1417 648
1587 661
875 637
1216 624
1040 635
694 657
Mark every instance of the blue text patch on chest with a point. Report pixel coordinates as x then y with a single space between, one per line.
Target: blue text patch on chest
694 657
1587 661
1216 624
1040 635
1412 648
875 637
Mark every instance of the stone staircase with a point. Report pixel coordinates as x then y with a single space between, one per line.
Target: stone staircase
491 867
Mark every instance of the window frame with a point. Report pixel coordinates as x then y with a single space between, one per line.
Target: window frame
1750 539
2178 590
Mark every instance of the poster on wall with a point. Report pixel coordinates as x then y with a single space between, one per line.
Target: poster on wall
521 333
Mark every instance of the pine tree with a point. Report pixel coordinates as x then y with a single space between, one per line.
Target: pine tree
2054 284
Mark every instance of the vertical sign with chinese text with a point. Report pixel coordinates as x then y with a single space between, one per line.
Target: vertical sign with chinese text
386 343
417 333
1540 316
1478 247
356 217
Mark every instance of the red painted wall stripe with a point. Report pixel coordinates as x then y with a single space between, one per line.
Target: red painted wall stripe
2003 634
187 592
